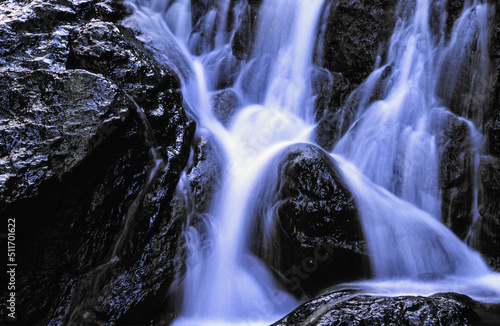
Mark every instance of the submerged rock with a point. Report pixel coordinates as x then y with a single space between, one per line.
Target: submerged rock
317 239
349 308
224 105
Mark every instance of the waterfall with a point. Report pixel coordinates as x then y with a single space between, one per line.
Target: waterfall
389 156
225 282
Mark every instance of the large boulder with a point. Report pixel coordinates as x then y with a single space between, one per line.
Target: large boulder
317 223
349 308
94 138
50 121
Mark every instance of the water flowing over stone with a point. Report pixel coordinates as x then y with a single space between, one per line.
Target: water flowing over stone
390 156
335 141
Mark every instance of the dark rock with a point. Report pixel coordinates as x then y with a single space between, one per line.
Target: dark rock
357 31
70 228
492 125
243 38
338 112
77 170
225 103
494 136
346 307
464 78
30 35
35 34
50 121
318 222
456 171
331 90
454 9
205 175
487 237
114 51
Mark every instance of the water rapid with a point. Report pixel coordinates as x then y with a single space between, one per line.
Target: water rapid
389 157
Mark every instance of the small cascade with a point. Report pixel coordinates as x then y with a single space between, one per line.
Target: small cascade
418 247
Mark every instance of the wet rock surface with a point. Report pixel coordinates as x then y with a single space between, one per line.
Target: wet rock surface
76 163
50 121
485 238
487 231
348 307
317 223
456 173
356 32
332 90
225 103
244 35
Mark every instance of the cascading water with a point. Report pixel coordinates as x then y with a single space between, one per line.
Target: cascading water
227 284
389 157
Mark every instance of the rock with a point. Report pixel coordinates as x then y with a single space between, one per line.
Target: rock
76 165
114 51
331 90
487 234
205 175
338 113
454 9
346 307
456 173
30 36
356 32
225 103
243 38
317 223
51 121
68 231
464 76
35 34
494 136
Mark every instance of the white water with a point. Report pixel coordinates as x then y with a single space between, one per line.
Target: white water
389 157
390 161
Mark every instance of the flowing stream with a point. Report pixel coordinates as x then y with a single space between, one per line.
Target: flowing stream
389 157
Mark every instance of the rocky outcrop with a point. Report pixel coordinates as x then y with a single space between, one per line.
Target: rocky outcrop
456 173
487 231
317 222
347 307
357 32
244 35
331 91
77 168
51 121
485 236
454 9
